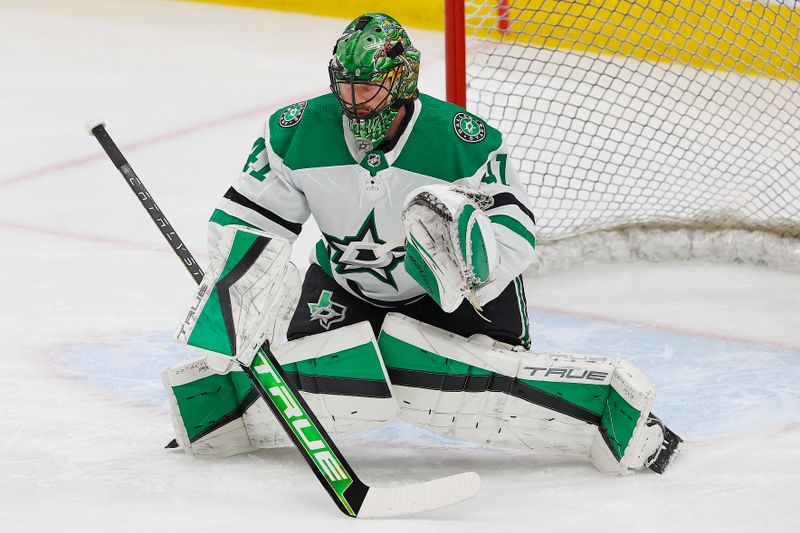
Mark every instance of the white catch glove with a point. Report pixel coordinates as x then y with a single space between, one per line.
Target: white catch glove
451 249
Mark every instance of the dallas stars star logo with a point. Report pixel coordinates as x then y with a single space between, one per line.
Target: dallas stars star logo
326 310
357 253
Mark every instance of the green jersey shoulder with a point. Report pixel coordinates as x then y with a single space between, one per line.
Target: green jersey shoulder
445 141
308 134
448 142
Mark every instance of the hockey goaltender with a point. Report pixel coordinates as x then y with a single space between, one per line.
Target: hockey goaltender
413 305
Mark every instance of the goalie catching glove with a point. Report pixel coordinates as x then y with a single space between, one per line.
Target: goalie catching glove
451 250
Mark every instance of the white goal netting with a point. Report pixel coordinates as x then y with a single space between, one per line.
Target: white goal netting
647 129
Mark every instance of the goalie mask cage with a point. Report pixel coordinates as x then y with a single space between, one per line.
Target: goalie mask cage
642 128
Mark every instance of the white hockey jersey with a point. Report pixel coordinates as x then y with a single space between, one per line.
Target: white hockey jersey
307 163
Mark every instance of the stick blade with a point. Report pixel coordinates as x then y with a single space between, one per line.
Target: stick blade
419 497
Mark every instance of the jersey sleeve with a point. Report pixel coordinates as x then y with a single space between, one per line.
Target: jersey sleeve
512 220
263 196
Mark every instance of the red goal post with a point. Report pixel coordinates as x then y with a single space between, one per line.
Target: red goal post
642 128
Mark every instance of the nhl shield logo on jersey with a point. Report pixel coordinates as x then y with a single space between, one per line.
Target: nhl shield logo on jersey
374 162
292 114
469 128
326 310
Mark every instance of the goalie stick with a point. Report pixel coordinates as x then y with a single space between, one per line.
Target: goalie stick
352 496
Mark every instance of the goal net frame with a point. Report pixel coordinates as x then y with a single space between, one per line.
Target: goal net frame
642 129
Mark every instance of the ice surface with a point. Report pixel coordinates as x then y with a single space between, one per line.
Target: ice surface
91 295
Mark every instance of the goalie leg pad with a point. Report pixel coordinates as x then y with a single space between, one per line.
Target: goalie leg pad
339 373
206 410
342 377
563 403
625 439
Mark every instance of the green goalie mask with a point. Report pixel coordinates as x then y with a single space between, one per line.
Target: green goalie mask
373 71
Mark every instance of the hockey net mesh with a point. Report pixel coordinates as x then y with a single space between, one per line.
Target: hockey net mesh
679 115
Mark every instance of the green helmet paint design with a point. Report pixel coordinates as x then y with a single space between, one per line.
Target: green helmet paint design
374 49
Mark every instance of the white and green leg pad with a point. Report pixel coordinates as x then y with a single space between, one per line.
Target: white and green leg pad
591 407
207 409
339 373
